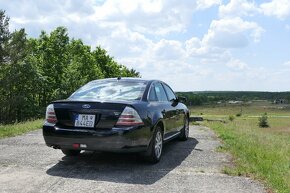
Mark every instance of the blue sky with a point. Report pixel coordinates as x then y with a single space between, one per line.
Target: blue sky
190 44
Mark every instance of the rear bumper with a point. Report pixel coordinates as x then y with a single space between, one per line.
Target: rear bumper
131 139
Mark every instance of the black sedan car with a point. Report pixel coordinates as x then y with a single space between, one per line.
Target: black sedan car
117 115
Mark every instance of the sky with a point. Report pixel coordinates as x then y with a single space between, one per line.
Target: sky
193 45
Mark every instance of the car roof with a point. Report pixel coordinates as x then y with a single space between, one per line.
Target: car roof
126 79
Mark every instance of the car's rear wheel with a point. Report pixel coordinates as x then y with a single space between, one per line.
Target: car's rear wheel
185 130
71 152
154 151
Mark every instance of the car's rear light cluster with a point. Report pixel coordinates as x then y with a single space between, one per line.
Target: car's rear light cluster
50 116
129 117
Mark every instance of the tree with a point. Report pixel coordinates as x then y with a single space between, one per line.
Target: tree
4 38
18 80
83 66
36 71
4 35
111 68
263 120
53 58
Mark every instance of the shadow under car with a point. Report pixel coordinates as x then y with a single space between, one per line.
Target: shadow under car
123 168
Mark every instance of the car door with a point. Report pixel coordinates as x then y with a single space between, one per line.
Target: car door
178 118
166 109
158 105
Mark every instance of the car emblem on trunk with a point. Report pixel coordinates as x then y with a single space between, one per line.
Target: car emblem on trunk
117 113
86 106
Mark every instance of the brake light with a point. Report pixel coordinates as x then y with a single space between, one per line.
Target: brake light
129 117
50 116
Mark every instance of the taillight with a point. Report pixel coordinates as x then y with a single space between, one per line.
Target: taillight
50 116
129 117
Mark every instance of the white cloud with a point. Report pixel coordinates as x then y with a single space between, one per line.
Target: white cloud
277 8
153 17
168 50
123 42
232 33
238 8
158 17
23 20
286 63
241 8
237 64
223 35
204 4
208 54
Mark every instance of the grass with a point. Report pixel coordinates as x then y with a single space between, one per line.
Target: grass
261 153
20 128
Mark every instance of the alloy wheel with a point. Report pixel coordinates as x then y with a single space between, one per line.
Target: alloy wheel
158 144
186 125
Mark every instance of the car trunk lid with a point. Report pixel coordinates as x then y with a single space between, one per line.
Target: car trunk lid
99 115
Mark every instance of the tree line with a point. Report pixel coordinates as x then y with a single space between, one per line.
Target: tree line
212 97
36 71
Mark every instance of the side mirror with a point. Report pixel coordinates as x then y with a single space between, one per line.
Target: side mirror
182 99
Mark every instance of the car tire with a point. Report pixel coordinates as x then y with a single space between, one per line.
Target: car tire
71 152
154 151
185 130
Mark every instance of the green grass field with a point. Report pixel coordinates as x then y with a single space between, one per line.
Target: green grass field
261 153
20 128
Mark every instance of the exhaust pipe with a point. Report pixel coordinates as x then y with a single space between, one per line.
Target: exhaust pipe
55 147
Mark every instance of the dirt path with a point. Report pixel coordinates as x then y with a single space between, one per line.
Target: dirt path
27 165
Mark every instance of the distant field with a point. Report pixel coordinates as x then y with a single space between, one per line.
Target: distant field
263 153
19 128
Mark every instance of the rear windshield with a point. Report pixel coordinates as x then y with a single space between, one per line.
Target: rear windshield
110 90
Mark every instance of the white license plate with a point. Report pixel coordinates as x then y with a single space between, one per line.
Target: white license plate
85 120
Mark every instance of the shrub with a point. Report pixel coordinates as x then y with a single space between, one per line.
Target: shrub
263 120
238 114
231 117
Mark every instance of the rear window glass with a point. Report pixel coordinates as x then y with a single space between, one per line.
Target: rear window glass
110 90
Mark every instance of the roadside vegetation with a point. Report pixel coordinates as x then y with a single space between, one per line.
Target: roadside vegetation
19 128
258 139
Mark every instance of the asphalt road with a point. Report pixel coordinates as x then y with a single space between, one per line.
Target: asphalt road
27 165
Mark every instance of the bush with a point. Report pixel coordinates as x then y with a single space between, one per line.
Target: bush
238 114
231 117
263 121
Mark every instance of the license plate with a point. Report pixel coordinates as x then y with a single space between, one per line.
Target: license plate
85 120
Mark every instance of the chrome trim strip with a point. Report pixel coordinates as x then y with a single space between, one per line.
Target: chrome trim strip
172 136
